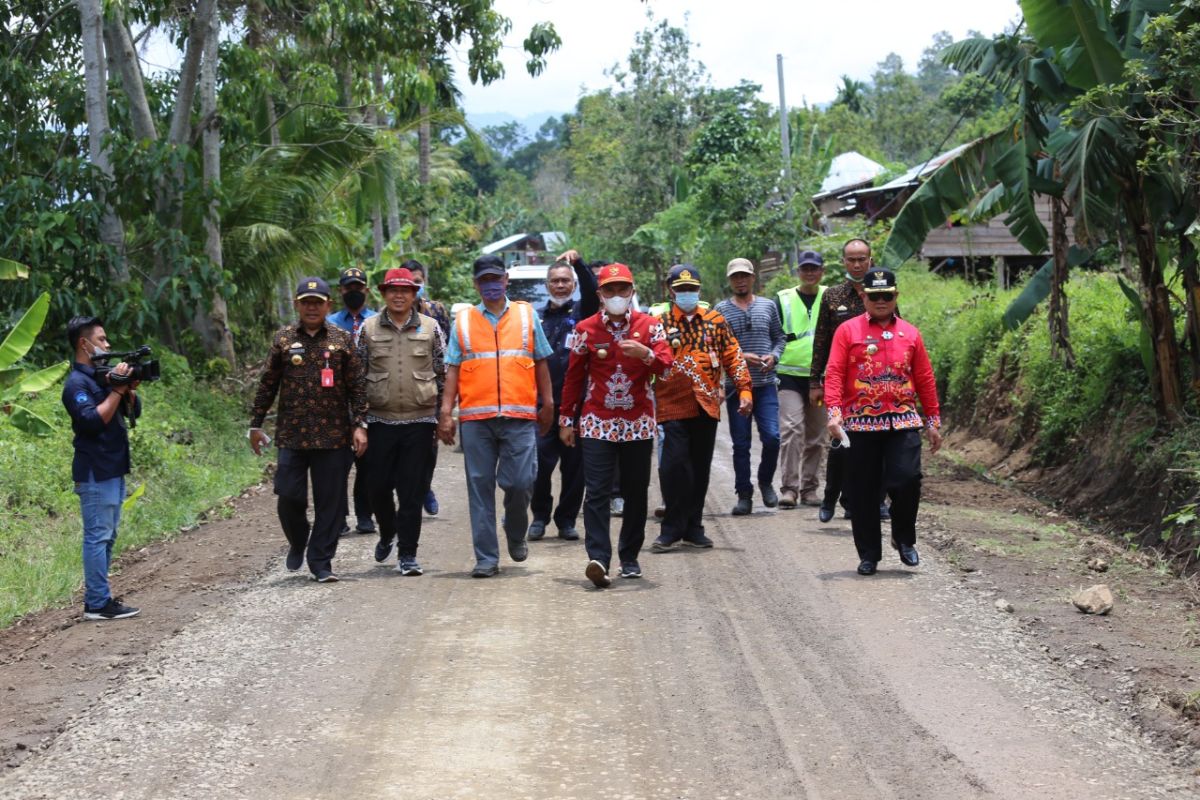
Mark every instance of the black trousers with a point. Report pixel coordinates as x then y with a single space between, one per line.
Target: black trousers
888 461
327 468
397 461
600 459
683 473
362 499
433 454
839 481
569 460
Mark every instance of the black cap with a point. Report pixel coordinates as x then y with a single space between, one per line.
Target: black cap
879 280
352 275
312 287
489 265
809 257
682 274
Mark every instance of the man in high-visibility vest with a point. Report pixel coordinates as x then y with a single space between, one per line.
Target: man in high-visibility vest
802 422
497 371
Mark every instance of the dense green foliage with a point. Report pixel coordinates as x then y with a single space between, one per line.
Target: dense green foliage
189 451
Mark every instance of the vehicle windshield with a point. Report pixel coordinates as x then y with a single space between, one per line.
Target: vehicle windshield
532 290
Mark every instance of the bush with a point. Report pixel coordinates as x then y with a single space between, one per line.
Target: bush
188 449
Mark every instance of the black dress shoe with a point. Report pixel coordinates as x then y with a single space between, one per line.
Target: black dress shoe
825 513
295 558
744 506
908 554
866 568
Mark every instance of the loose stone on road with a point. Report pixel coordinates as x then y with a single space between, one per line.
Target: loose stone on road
764 668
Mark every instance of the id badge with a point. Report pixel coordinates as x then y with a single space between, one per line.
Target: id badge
716 362
327 378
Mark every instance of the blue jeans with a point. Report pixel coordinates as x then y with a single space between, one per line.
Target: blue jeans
502 452
100 506
766 416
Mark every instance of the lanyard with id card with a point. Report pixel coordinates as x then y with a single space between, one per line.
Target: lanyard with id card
327 374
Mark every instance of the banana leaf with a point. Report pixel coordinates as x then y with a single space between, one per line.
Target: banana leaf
1036 290
34 382
24 419
1080 33
21 338
1145 343
11 271
128 503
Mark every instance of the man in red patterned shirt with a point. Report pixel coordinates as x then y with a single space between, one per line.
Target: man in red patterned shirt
606 392
878 369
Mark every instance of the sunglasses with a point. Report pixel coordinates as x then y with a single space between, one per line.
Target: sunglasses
882 297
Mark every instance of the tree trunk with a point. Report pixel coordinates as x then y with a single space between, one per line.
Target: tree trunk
424 137
112 230
1060 336
1191 284
391 203
212 324
1156 305
124 61
256 12
377 235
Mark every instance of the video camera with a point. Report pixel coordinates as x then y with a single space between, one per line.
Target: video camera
143 368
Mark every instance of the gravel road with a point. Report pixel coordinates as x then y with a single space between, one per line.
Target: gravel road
764 668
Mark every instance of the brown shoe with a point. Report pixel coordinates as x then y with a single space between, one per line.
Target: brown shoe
810 500
787 498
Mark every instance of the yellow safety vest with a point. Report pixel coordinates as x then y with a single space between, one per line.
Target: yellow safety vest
799 325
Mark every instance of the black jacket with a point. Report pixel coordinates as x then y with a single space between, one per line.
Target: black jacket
559 323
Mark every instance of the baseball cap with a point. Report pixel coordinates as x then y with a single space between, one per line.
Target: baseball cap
489 265
739 265
615 273
879 280
312 287
682 275
810 257
352 275
398 277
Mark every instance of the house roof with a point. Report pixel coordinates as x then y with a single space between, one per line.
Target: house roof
847 171
914 175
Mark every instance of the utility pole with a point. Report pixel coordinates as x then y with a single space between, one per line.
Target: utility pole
786 146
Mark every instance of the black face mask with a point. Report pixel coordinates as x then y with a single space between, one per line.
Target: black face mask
354 300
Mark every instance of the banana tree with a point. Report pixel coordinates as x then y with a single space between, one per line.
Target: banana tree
16 381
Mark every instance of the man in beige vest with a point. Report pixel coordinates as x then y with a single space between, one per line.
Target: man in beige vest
404 352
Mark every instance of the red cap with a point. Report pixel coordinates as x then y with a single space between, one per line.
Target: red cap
615 273
398 277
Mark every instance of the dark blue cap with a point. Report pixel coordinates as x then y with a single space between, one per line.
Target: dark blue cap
810 257
683 274
352 275
879 280
490 265
312 287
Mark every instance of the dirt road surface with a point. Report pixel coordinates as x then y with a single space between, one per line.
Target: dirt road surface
765 668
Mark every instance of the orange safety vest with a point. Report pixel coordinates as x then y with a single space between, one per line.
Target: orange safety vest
496 377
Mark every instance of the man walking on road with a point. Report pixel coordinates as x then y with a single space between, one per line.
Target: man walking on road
607 387
560 315
838 304
497 372
688 400
877 370
801 421
404 357
353 287
436 310
314 368
755 324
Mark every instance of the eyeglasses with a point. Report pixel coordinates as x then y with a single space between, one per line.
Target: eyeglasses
882 297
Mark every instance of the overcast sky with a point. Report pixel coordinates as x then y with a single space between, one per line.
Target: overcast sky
819 41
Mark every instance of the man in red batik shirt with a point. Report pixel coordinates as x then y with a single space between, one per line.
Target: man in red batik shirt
878 369
606 392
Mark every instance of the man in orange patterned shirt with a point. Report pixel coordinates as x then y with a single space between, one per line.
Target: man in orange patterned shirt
689 400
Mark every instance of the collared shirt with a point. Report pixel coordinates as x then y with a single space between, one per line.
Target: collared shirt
350 321
759 331
541 347
437 311
101 448
876 373
838 304
693 384
312 416
439 365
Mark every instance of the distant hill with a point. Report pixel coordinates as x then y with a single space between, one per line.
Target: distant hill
530 122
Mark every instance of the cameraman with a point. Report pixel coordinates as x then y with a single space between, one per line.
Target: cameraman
98 410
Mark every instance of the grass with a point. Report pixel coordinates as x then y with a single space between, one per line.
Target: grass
188 449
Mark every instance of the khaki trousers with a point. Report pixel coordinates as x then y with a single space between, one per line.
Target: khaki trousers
803 437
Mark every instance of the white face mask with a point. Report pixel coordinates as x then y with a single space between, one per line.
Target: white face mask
616 305
559 303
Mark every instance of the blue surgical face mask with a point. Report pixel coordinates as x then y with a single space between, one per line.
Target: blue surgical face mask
687 301
492 290
421 292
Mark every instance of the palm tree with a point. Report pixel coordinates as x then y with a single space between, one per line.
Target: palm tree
851 94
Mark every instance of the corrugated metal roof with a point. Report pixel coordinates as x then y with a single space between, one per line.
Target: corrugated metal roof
915 174
849 169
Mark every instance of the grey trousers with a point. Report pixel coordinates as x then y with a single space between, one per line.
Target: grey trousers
802 439
502 452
